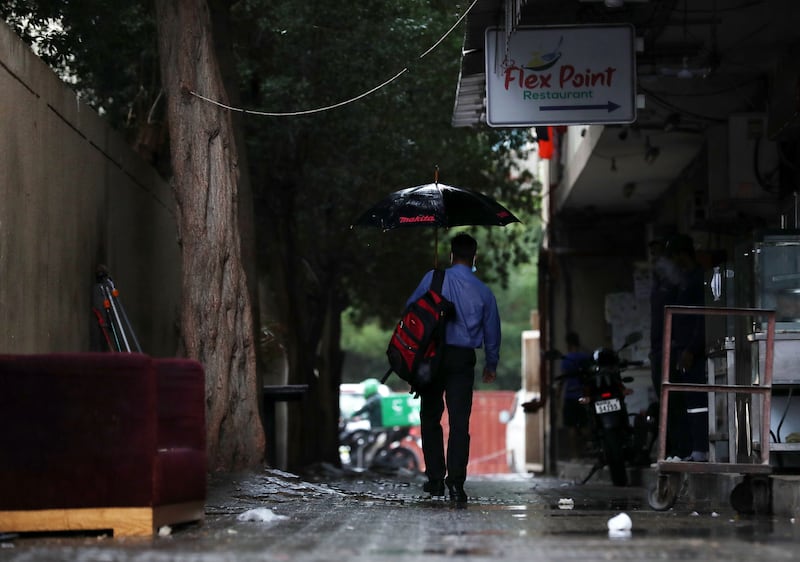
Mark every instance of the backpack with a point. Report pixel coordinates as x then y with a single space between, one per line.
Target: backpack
415 347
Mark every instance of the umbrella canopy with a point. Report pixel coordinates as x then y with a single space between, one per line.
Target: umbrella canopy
436 205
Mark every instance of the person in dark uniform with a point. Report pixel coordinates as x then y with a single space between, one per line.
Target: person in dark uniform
372 404
662 291
689 426
573 415
373 411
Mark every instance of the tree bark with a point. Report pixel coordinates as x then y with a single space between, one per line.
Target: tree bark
216 316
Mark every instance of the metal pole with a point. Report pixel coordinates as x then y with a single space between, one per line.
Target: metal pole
116 316
115 295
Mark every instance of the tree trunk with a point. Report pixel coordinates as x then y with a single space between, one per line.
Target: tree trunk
216 316
223 47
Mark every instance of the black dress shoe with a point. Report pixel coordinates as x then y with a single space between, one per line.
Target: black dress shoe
434 487
457 494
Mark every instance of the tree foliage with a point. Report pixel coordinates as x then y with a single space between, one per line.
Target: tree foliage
337 162
108 52
313 172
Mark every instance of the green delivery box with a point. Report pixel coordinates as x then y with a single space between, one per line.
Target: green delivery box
400 410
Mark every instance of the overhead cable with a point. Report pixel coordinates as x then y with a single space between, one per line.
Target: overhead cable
341 103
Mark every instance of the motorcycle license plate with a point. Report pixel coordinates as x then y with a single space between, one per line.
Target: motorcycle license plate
606 406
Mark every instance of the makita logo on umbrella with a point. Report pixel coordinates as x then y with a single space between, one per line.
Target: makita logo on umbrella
420 218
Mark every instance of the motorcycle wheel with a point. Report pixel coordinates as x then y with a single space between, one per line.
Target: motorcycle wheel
613 450
400 457
358 438
357 442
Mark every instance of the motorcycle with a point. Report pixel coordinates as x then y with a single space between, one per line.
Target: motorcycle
617 441
358 450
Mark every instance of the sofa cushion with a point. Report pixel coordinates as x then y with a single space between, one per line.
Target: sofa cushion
181 404
77 430
181 462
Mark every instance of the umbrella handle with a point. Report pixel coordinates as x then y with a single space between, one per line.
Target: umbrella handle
436 247
436 174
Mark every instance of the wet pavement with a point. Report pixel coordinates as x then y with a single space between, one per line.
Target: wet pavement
329 515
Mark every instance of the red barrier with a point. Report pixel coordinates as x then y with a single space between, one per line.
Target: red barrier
487 451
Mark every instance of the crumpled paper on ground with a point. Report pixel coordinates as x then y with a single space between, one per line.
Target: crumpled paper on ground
620 526
260 515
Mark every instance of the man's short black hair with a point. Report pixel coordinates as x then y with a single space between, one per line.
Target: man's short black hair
463 247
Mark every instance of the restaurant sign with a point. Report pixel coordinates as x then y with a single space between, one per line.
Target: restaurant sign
560 75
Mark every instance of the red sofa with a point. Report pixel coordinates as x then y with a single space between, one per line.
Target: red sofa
101 441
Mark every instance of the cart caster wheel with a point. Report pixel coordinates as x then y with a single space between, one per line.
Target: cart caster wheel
752 496
665 492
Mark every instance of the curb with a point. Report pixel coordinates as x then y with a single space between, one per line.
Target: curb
786 495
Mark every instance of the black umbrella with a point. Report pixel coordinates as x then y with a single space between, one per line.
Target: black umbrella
435 205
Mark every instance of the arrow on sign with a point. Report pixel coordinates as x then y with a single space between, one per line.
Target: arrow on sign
610 106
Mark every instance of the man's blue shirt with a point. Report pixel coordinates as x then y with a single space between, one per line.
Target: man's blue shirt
571 365
477 321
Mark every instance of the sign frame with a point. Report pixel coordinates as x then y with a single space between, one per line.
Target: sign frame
561 75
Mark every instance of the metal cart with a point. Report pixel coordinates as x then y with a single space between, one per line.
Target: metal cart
670 473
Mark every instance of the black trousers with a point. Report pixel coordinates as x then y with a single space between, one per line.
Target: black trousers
687 425
454 385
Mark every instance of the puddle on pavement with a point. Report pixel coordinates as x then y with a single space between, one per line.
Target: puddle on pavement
651 524
458 535
617 504
520 507
752 533
458 551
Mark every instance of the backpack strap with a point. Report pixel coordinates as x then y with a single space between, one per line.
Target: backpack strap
438 280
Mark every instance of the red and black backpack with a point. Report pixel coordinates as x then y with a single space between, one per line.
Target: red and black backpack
416 345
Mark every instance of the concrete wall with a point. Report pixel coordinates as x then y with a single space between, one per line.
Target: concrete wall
74 195
581 286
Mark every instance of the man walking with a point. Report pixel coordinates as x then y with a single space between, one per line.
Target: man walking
476 323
